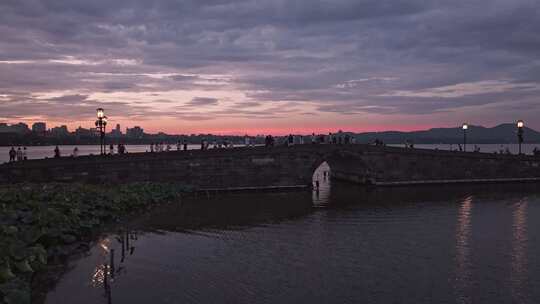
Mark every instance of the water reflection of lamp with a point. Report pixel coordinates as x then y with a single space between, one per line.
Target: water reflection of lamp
463 235
99 275
107 271
519 251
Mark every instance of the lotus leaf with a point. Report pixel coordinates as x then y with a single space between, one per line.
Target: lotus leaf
11 230
18 250
5 272
17 297
23 266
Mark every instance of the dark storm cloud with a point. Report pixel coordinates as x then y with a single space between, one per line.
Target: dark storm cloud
203 101
341 56
184 78
247 104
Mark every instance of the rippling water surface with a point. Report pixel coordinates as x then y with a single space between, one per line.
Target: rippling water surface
344 244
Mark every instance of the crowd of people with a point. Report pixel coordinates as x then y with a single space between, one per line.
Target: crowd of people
18 155
120 149
269 141
336 139
21 153
183 146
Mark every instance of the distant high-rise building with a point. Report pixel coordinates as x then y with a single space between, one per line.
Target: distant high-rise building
39 128
20 128
82 132
116 132
60 131
135 132
4 128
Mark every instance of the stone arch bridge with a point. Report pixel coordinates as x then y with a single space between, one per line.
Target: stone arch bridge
280 167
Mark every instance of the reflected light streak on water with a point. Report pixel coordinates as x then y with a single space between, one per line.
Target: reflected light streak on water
98 276
519 251
463 234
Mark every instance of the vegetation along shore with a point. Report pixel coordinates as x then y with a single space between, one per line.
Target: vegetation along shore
42 224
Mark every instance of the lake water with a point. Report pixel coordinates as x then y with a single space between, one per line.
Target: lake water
38 152
342 244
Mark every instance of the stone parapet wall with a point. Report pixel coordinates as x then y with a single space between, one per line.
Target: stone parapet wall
261 167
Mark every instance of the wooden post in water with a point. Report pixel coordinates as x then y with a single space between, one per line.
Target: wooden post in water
123 243
106 277
127 238
112 263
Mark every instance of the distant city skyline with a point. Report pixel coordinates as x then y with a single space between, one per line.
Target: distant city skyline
117 129
233 67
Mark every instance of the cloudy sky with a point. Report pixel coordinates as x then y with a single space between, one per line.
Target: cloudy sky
270 66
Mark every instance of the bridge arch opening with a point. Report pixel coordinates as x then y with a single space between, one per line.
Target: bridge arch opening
321 185
321 172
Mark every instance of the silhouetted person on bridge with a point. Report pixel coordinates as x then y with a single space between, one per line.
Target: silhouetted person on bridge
290 140
121 149
24 154
56 152
269 141
185 145
19 154
75 152
12 154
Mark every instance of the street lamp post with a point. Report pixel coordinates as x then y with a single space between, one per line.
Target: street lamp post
465 127
101 123
520 125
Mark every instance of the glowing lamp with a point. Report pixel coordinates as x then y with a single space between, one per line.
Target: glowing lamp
100 113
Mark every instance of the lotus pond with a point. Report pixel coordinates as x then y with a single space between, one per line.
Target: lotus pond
42 224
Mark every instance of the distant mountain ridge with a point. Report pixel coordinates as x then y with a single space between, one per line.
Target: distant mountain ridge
501 134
